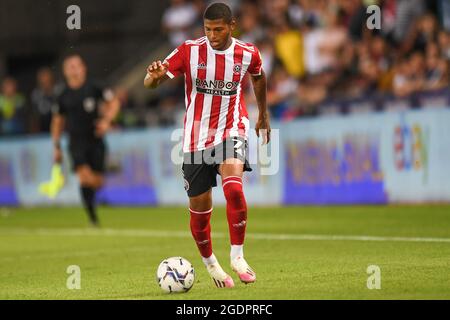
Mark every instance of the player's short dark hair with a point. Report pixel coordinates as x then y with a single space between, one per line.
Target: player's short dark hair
218 11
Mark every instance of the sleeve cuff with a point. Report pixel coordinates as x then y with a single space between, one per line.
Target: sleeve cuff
170 74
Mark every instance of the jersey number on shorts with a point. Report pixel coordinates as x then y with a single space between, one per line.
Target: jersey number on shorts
237 147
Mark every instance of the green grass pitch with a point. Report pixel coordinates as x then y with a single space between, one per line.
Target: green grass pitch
297 252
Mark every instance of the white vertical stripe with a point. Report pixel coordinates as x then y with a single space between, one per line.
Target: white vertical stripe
207 100
185 91
246 123
190 109
246 60
229 64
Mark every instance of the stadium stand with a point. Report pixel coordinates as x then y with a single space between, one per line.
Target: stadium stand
319 55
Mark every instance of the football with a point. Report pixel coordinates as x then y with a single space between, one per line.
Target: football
175 274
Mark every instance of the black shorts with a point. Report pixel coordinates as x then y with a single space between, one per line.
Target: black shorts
91 152
201 168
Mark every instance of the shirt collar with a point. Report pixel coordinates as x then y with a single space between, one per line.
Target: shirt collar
228 50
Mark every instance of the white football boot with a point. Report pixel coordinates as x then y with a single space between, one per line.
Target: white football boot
220 277
243 270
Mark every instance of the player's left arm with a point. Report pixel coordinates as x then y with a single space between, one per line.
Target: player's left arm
109 111
260 89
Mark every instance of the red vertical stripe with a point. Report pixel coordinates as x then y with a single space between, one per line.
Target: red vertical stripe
216 101
199 97
238 55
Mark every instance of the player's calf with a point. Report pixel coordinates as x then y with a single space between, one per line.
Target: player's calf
236 208
201 231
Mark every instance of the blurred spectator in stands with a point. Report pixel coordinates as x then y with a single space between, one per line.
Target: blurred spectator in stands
388 17
401 85
131 115
309 96
410 75
425 31
167 111
163 108
306 11
12 108
324 47
275 10
267 54
297 13
335 41
368 69
233 4
406 14
436 69
43 98
250 28
281 91
178 20
197 29
329 55
354 17
444 44
374 64
289 47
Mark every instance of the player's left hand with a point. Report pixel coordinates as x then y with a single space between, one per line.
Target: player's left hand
102 128
263 128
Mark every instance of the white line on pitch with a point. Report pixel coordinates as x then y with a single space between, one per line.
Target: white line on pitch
183 234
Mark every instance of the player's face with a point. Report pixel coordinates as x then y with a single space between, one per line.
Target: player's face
218 33
74 69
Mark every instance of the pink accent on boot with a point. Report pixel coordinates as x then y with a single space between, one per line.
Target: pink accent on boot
247 278
229 283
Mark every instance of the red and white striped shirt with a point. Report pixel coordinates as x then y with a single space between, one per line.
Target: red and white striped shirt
215 108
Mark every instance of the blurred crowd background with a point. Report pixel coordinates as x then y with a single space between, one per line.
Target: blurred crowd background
316 53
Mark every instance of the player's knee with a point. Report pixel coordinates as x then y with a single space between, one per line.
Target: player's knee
200 210
99 182
87 178
201 202
200 206
84 179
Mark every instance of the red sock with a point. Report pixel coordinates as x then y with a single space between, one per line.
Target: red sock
236 209
201 231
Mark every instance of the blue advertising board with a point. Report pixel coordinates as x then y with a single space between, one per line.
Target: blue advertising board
373 158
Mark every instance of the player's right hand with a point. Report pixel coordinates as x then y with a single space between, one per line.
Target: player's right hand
263 129
57 155
157 69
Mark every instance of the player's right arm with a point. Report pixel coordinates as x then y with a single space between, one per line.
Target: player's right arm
156 74
173 66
